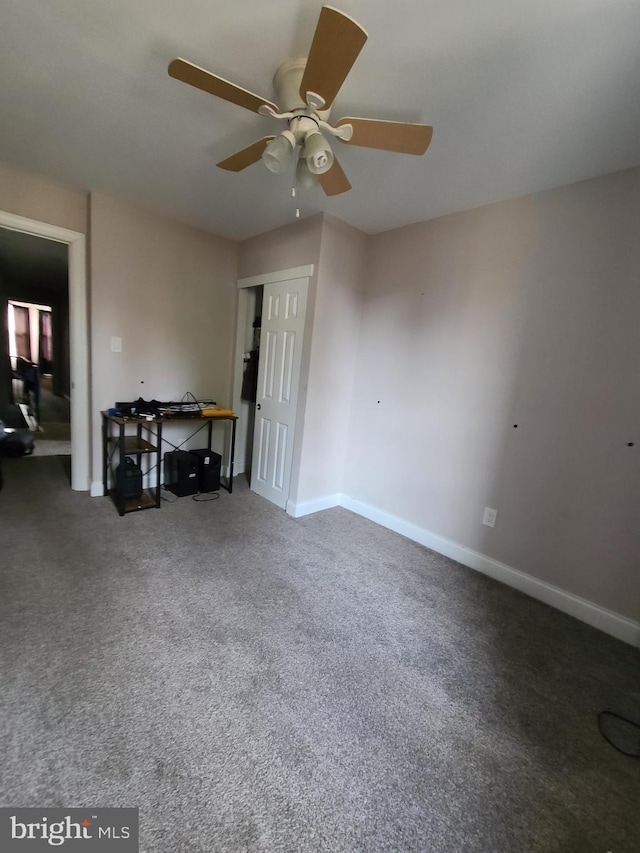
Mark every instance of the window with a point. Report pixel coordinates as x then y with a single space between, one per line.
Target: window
22 336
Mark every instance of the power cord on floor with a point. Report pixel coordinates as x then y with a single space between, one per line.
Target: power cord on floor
608 738
201 497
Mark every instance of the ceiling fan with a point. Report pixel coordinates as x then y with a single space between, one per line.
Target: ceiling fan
306 89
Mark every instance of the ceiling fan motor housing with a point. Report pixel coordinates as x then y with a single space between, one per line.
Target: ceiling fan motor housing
286 82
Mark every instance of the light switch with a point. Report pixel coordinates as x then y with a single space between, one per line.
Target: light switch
116 344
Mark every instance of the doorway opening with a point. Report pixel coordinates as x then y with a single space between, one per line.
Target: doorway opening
39 357
48 263
249 388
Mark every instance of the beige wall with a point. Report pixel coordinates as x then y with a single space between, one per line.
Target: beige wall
36 198
341 265
525 312
293 245
338 253
169 291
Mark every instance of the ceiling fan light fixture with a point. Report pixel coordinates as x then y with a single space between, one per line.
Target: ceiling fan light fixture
305 178
278 154
317 153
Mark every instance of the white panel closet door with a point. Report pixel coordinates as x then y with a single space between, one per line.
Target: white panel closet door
283 311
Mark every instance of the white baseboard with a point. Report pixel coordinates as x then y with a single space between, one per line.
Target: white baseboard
605 620
97 489
297 510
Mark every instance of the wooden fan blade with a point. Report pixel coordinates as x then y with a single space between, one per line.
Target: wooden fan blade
389 135
334 181
218 86
241 159
337 41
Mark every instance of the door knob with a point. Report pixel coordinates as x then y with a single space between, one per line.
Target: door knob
259 406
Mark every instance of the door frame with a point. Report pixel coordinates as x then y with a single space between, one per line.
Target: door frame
78 336
305 271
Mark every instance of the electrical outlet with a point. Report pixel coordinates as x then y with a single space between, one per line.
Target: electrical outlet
489 517
116 344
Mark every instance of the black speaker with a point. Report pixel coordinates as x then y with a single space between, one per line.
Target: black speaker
181 473
208 469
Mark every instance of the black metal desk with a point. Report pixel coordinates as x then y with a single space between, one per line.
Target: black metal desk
199 423
137 445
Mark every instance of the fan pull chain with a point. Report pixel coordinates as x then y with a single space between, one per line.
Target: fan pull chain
294 188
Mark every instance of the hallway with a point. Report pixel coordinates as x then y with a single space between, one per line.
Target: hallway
53 438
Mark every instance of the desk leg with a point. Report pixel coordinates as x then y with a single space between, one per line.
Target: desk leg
120 499
233 453
159 464
105 451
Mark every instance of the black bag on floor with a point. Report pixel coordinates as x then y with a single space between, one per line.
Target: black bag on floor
15 442
128 479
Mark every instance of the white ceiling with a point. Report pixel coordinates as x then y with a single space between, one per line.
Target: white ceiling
523 96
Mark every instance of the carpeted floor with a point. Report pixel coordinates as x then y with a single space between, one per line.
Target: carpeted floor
53 409
257 683
44 447
50 431
54 435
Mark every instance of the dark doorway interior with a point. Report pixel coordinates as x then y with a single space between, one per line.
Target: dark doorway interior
34 330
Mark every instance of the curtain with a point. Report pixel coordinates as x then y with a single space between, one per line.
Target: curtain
46 346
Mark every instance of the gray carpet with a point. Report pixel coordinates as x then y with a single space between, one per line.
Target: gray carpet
53 409
54 422
43 447
49 432
257 683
